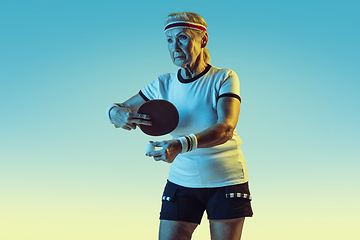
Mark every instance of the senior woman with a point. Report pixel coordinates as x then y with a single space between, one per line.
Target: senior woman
208 171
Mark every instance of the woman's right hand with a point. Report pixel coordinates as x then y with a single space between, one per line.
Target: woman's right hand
124 118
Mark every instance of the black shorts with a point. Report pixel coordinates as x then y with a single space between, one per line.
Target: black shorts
188 204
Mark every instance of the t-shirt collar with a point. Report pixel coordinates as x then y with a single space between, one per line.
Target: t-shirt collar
189 80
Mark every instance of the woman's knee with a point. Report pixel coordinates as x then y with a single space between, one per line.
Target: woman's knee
229 229
176 230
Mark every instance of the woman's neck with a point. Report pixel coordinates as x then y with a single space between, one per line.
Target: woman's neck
191 71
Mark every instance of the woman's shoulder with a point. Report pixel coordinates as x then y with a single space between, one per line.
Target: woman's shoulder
221 71
167 76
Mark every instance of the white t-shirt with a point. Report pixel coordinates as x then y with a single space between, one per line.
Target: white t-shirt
196 101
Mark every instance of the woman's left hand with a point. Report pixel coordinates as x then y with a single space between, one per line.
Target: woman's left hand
170 149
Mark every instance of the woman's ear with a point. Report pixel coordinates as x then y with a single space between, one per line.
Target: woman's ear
204 40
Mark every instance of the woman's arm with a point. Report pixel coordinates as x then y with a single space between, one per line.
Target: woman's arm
125 114
228 109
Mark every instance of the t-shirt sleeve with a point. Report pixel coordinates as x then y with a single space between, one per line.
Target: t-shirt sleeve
150 91
230 86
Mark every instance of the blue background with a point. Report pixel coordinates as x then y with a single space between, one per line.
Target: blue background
66 173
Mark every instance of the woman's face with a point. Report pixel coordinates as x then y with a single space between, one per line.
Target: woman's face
184 49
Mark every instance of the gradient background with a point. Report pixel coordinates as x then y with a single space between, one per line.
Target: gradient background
67 174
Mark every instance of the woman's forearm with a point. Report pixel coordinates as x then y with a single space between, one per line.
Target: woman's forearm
215 135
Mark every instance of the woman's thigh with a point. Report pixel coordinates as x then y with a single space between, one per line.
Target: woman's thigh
176 230
227 229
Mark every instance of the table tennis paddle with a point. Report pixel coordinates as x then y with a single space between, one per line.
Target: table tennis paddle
164 117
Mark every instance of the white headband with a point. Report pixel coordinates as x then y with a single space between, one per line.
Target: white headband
184 24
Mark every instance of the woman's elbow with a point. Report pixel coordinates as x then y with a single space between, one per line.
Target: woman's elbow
228 132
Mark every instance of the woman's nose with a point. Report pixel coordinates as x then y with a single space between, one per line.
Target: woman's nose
176 46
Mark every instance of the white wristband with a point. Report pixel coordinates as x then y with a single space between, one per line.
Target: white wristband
108 109
184 144
194 142
188 143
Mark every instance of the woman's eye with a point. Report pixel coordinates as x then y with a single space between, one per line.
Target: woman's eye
182 37
169 40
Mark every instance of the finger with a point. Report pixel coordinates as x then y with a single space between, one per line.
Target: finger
141 122
126 128
155 153
140 115
158 158
161 159
158 144
154 144
139 118
129 126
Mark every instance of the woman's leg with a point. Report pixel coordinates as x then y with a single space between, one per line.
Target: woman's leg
227 229
176 230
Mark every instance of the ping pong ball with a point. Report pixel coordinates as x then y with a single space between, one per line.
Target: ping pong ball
149 148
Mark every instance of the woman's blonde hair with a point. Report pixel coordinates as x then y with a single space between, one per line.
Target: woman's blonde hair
195 18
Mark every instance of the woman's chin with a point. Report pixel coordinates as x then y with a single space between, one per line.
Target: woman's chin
180 63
